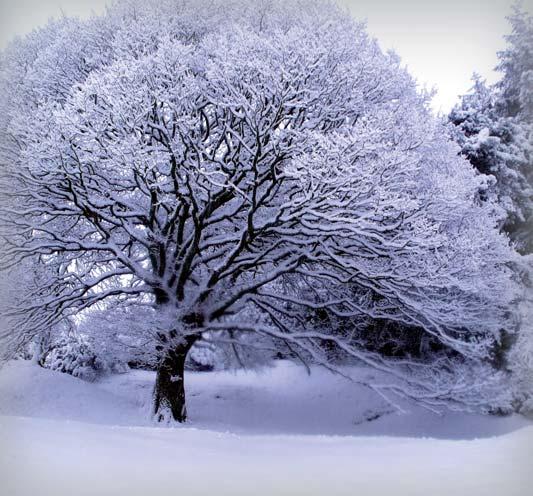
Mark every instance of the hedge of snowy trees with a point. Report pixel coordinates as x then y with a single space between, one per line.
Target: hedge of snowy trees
253 178
494 127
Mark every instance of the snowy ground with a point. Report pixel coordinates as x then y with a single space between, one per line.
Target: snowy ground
272 432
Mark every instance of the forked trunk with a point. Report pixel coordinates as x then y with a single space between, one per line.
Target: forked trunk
169 391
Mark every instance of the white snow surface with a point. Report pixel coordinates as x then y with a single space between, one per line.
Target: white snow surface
276 431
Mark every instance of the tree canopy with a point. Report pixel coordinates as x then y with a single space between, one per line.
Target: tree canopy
228 166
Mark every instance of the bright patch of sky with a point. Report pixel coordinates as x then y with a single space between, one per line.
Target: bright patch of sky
441 42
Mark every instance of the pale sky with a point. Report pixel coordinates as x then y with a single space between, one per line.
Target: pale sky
442 42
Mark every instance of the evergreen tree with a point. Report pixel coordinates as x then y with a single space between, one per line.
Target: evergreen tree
495 131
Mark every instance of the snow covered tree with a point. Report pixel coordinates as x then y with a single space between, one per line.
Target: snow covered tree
494 126
229 166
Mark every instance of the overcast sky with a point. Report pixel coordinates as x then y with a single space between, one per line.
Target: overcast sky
442 42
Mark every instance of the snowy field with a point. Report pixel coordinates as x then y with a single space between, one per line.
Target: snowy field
275 431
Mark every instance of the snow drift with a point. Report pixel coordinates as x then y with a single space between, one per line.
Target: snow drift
271 432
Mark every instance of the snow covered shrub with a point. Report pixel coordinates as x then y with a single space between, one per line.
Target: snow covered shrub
72 355
64 349
35 350
203 357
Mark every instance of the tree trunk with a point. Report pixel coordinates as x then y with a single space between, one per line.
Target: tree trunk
169 391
